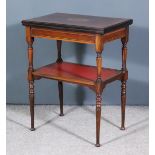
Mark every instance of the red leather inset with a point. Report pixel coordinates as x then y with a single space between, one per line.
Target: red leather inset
71 70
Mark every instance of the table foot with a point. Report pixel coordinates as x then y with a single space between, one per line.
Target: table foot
97 145
61 114
122 128
32 129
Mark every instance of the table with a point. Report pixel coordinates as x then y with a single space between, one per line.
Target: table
81 29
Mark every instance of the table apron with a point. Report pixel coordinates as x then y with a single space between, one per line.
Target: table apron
70 36
78 37
117 34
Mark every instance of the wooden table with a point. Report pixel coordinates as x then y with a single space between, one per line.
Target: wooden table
81 29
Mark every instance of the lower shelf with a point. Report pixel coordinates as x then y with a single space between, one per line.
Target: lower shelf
76 73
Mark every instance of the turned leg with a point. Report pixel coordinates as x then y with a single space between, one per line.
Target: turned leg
98 118
30 40
123 81
31 102
123 103
60 84
59 58
99 86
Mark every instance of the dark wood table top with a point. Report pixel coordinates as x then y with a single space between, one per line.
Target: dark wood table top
81 23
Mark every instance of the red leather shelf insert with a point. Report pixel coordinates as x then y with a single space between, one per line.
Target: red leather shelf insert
76 73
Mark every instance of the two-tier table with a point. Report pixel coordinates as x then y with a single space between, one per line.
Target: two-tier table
80 29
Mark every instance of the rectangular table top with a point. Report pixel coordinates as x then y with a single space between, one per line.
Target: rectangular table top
80 23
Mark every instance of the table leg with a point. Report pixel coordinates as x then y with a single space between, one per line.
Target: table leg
99 86
30 40
123 103
31 101
60 84
98 118
123 81
60 87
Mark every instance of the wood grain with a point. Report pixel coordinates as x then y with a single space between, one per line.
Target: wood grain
63 35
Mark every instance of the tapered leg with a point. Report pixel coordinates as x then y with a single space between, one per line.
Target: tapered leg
123 103
98 119
31 102
60 87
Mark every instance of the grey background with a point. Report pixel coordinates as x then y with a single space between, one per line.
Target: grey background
45 52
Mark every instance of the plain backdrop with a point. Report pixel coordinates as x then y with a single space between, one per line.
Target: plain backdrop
45 52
